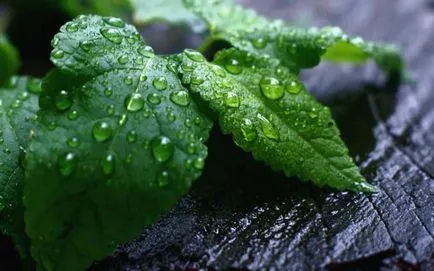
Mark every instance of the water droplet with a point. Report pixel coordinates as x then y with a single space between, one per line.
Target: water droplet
85 45
112 35
146 113
171 117
73 115
67 164
34 85
72 27
116 22
268 128
160 83
217 70
197 79
63 101
163 179
259 43
313 114
233 66
294 87
73 142
181 98
134 102
199 163
123 60
123 119
23 96
191 148
102 131
57 54
110 109
180 134
108 92
162 148
108 164
232 100
16 103
154 99
146 51
172 67
128 80
271 88
193 55
132 136
248 130
52 125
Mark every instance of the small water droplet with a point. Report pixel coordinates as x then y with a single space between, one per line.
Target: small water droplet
52 125
102 131
134 102
110 109
160 83
116 22
197 79
123 60
23 96
199 163
194 55
63 101
57 54
108 92
123 119
217 70
181 98
260 42
146 51
271 88
85 45
72 27
73 142
16 104
146 113
232 100
294 87
34 85
171 117
128 80
112 35
233 66
268 128
67 164
108 164
163 179
191 148
73 115
132 136
154 99
162 148
248 130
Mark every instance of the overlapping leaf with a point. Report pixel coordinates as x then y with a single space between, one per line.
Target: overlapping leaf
269 113
118 142
9 60
18 107
296 47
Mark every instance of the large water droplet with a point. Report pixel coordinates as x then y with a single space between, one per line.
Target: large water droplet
248 130
232 100
233 66
154 99
146 51
181 98
34 85
160 83
112 35
108 164
162 148
268 128
193 55
67 164
134 102
63 101
116 22
271 88
102 131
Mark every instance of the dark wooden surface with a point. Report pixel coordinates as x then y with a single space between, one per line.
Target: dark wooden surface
242 215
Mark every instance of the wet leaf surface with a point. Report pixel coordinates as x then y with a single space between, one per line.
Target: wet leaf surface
242 215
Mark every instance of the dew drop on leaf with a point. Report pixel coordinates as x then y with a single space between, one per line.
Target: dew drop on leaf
160 83
128 80
171 117
233 66
34 86
132 136
67 164
123 60
294 87
146 51
85 45
108 92
73 142
116 22
199 163
193 55
134 102
181 98
271 88
197 79
163 179
72 115
112 35
110 109
191 148
63 101
248 130
154 99
72 27
123 119
232 100
268 128
259 43
108 164
102 131
57 54
162 148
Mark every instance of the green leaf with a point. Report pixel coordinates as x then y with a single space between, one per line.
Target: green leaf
172 11
100 7
296 47
9 59
18 107
119 141
269 113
